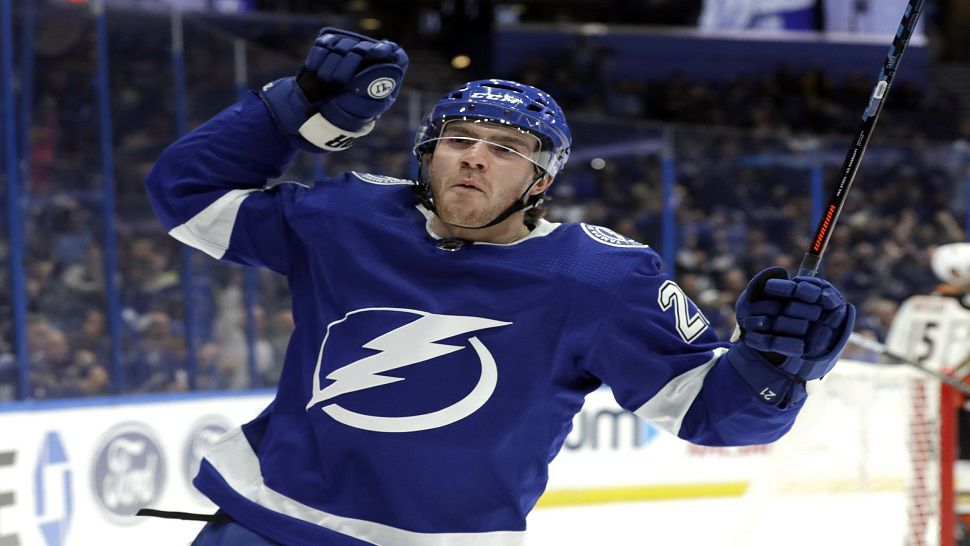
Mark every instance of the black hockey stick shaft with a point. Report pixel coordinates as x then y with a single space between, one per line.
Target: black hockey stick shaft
876 347
850 166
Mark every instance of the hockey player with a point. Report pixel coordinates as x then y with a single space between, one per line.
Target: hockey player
445 334
935 329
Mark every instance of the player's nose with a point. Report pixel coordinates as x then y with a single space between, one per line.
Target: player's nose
474 156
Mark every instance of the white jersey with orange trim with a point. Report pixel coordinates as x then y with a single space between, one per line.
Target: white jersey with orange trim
932 330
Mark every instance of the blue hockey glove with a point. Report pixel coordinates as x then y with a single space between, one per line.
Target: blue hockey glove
346 83
790 331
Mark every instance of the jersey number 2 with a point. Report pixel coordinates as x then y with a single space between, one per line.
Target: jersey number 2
689 327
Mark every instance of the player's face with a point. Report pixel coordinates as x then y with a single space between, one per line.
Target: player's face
478 169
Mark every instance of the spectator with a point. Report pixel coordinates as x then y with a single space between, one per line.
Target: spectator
734 208
157 362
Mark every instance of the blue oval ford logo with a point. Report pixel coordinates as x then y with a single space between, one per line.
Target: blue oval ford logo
203 435
128 472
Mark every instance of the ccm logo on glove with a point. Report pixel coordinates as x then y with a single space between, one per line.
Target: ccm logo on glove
347 81
381 87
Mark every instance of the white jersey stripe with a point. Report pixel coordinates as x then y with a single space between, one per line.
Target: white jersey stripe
210 230
235 461
668 407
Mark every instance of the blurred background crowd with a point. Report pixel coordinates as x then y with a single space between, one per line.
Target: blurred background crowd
741 154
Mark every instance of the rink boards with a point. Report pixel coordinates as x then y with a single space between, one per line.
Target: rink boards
73 474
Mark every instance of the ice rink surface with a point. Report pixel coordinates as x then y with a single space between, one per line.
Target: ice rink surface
685 523
736 521
831 520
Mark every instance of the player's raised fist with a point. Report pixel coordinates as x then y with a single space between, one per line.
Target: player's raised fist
347 81
351 78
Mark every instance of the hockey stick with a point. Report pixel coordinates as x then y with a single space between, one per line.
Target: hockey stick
826 224
876 347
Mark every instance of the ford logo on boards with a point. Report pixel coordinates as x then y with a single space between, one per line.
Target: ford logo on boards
128 472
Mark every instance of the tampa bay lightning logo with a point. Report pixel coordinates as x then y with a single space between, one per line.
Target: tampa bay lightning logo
373 347
607 236
382 180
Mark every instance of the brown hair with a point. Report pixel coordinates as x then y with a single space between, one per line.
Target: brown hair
533 215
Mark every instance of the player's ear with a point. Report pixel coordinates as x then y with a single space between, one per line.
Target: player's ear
425 159
541 185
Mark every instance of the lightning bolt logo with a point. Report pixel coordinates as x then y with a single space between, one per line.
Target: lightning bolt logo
406 345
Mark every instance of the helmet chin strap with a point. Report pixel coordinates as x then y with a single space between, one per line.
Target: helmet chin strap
522 203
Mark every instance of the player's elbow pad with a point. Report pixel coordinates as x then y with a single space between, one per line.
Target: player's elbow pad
768 381
306 128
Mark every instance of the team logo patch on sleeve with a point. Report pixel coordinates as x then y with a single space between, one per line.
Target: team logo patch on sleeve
381 179
607 236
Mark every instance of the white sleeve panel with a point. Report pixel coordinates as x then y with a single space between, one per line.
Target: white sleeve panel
210 230
668 407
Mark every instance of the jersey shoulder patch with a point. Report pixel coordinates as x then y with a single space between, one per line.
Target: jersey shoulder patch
381 180
608 237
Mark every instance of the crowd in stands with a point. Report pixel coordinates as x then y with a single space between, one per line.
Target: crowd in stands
742 198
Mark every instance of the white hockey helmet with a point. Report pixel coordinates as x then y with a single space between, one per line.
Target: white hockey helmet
951 263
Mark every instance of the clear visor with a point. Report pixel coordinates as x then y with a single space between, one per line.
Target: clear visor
502 136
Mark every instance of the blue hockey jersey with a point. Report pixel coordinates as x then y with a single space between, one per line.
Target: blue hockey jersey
425 389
